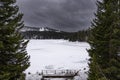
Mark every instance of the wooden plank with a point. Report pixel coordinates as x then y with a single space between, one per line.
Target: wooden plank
58 76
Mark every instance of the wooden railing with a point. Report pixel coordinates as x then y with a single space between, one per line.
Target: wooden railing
59 73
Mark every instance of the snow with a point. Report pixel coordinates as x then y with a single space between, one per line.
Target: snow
57 55
43 29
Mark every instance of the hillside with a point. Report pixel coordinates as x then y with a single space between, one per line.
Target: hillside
49 33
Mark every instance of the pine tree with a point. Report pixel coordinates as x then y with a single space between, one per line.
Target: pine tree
105 42
13 56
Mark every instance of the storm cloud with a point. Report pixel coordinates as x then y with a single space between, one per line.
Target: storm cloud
66 15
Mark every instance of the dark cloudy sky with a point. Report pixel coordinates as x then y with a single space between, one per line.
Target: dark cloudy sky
66 15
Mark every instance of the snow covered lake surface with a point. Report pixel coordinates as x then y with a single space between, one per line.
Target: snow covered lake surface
57 55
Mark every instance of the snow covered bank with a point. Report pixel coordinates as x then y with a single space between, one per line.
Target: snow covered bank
57 55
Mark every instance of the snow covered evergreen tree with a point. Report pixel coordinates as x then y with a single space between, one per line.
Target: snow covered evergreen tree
13 56
105 42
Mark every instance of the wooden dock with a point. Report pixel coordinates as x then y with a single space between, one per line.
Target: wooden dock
69 74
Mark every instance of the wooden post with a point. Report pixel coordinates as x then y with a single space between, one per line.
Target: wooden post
46 71
55 72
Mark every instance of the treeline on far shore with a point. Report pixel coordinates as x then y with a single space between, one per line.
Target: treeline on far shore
71 36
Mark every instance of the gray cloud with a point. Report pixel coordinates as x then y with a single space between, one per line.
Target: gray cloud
67 15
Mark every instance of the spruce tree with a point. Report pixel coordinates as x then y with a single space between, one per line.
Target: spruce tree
105 42
13 56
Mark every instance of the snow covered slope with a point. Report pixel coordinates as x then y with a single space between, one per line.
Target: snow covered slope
57 54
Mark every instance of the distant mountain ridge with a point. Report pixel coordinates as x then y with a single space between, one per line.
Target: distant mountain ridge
41 29
49 33
42 33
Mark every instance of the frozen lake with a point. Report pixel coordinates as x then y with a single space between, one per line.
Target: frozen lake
57 55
